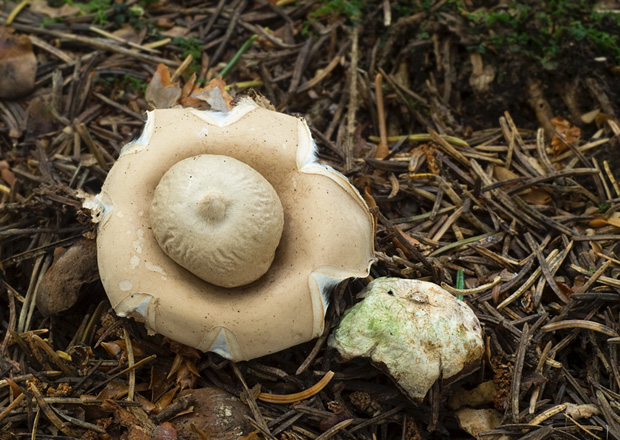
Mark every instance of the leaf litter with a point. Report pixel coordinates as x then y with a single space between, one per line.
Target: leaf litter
454 166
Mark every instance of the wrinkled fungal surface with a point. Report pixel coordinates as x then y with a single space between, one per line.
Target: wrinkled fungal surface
218 218
414 330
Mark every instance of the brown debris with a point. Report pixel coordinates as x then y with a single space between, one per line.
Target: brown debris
161 92
216 414
524 204
72 268
18 65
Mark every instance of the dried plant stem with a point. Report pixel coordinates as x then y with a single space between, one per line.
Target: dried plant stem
579 323
547 414
11 406
382 147
334 429
96 43
468 292
296 397
352 109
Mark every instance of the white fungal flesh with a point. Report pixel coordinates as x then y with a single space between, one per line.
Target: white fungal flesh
416 330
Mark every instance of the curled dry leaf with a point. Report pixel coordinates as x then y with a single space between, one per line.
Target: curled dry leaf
567 130
18 65
115 389
601 221
118 349
503 173
161 92
74 267
215 95
536 196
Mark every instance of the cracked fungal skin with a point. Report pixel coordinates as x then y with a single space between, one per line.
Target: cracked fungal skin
414 330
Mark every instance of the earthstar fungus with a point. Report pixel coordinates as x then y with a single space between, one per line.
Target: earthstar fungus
327 232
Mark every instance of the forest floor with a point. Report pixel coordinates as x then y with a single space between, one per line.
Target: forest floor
484 136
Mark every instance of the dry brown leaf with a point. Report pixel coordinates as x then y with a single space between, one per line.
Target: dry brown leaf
600 221
398 243
8 176
186 100
412 241
147 405
536 197
475 421
40 117
186 377
188 88
128 33
503 173
18 65
164 22
601 119
431 159
43 7
369 199
159 383
215 95
165 399
175 32
382 150
118 349
614 219
161 92
251 436
15 389
112 348
114 390
570 133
